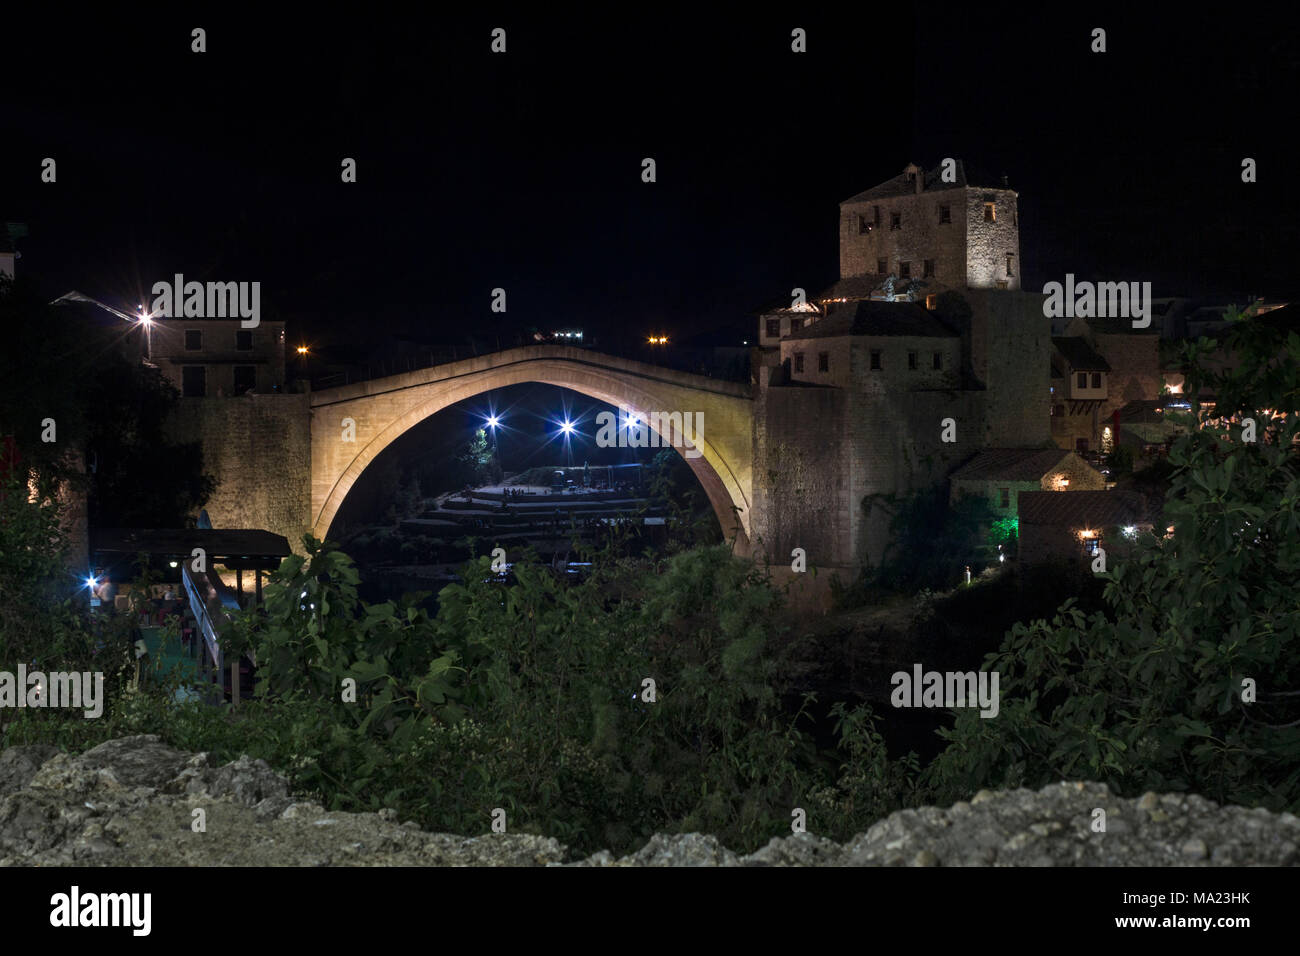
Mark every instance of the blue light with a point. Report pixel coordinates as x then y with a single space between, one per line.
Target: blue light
566 427
91 582
493 421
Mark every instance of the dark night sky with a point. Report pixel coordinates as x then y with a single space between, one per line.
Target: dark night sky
523 170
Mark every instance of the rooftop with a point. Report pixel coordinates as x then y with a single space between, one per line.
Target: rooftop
1083 509
900 185
216 544
1079 354
877 318
1012 464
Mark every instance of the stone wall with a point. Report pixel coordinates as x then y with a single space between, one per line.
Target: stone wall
988 243
920 236
258 447
801 479
1011 354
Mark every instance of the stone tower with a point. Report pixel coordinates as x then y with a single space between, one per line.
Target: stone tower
935 226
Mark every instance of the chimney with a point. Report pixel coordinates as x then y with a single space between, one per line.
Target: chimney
915 176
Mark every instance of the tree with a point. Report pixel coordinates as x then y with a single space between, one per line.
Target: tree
1188 680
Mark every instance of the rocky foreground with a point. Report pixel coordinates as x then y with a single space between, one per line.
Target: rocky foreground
131 802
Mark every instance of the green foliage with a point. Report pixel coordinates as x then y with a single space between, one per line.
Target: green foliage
1149 693
932 542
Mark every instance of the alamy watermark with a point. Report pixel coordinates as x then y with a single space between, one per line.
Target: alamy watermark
211 300
54 689
946 689
1100 300
631 429
75 909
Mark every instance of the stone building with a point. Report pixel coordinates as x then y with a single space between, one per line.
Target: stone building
1099 366
1075 526
953 235
218 358
1000 475
880 385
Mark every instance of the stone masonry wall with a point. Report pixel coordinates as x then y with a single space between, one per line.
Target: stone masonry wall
920 236
988 243
1011 349
801 482
258 447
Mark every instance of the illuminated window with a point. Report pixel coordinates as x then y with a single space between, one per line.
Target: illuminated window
931 301
1011 264
990 213
864 225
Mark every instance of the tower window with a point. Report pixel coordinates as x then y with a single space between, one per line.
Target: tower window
823 361
905 270
945 213
1011 264
798 361
864 225
875 358
882 267
895 220
990 212
938 361
193 340
773 328
927 269
911 361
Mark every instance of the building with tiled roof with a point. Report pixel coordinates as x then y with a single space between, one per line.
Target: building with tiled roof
1077 524
1001 475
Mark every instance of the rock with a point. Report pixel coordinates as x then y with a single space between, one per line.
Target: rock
19 764
129 802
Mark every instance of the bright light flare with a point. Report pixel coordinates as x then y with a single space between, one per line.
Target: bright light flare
566 427
493 421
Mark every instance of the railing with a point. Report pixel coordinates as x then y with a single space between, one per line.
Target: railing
208 603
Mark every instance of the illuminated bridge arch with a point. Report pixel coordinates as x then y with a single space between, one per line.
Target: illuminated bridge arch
383 409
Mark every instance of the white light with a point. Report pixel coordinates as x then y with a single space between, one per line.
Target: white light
172 563
493 421
1130 531
566 427
90 583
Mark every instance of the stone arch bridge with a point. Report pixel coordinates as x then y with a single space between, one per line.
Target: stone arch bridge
383 409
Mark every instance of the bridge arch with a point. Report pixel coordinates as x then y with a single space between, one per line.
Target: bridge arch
381 410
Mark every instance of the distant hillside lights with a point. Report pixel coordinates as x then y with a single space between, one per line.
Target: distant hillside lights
212 300
631 429
1102 300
